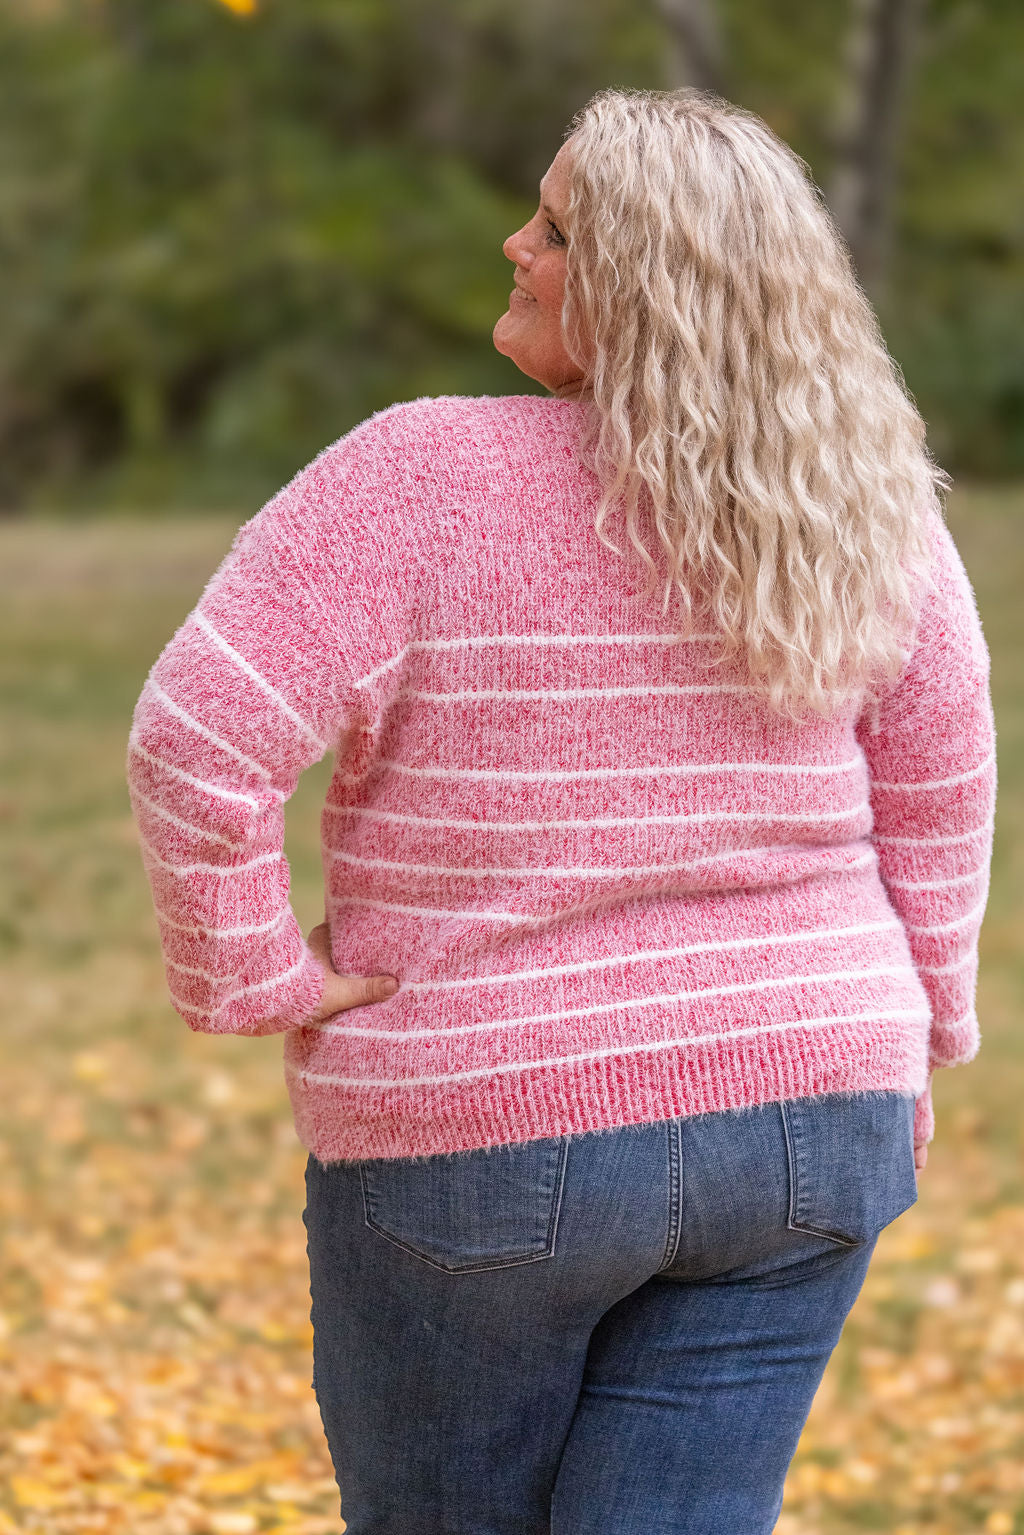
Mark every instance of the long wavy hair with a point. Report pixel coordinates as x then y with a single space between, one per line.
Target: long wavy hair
744 406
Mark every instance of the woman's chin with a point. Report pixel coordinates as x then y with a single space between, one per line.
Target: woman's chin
504 334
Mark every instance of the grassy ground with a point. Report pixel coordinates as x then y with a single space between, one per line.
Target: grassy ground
154 1335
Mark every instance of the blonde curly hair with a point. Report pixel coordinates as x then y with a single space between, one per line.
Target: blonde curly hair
742 394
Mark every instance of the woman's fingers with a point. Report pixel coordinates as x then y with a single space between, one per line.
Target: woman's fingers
319 941
344 991
920 1154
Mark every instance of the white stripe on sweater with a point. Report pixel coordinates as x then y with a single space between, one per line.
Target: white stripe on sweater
936 884
580 871
198 783
244 991
945 927
176 820
565 775
645 690
207 868
492 914
692 817
401 1035
644 955
509 977
476 641
208 735
965 1020
458 912
936 783
592 1055
250 671
208 930
204 975
954 964
986 827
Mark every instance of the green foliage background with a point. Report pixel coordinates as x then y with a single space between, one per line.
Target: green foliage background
225 239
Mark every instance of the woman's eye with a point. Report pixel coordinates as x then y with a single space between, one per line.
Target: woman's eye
556 237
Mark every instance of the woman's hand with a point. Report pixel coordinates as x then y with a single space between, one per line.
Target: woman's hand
344 991
920 1154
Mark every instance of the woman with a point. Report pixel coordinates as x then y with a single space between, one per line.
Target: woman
683 909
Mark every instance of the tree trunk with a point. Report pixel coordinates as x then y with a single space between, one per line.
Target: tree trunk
695 54
880 48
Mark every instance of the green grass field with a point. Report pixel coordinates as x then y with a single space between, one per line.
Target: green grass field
154 1335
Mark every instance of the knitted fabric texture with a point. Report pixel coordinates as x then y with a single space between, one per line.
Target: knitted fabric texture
615 886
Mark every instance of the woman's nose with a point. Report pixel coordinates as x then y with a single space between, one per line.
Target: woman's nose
516 249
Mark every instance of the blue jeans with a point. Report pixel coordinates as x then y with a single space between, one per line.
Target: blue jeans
621 1331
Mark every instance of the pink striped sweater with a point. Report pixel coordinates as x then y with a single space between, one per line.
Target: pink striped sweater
614 886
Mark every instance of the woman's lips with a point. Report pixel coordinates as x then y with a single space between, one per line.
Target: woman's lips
524 298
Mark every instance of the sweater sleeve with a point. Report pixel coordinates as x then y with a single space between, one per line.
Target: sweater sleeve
929 742
266 675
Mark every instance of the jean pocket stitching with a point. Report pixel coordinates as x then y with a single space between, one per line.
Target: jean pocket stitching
796 1183
483 1265
871 1119
556 1196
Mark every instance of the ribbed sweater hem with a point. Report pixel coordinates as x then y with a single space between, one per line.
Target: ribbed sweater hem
337 1124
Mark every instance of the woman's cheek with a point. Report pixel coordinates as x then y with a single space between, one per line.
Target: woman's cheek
551 290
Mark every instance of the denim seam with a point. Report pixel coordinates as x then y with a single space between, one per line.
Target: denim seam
556 1205
675 1223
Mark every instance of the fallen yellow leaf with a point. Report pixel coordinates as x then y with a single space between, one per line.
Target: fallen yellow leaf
31 1493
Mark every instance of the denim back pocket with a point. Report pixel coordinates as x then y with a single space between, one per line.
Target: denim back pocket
480 1209
851 1163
